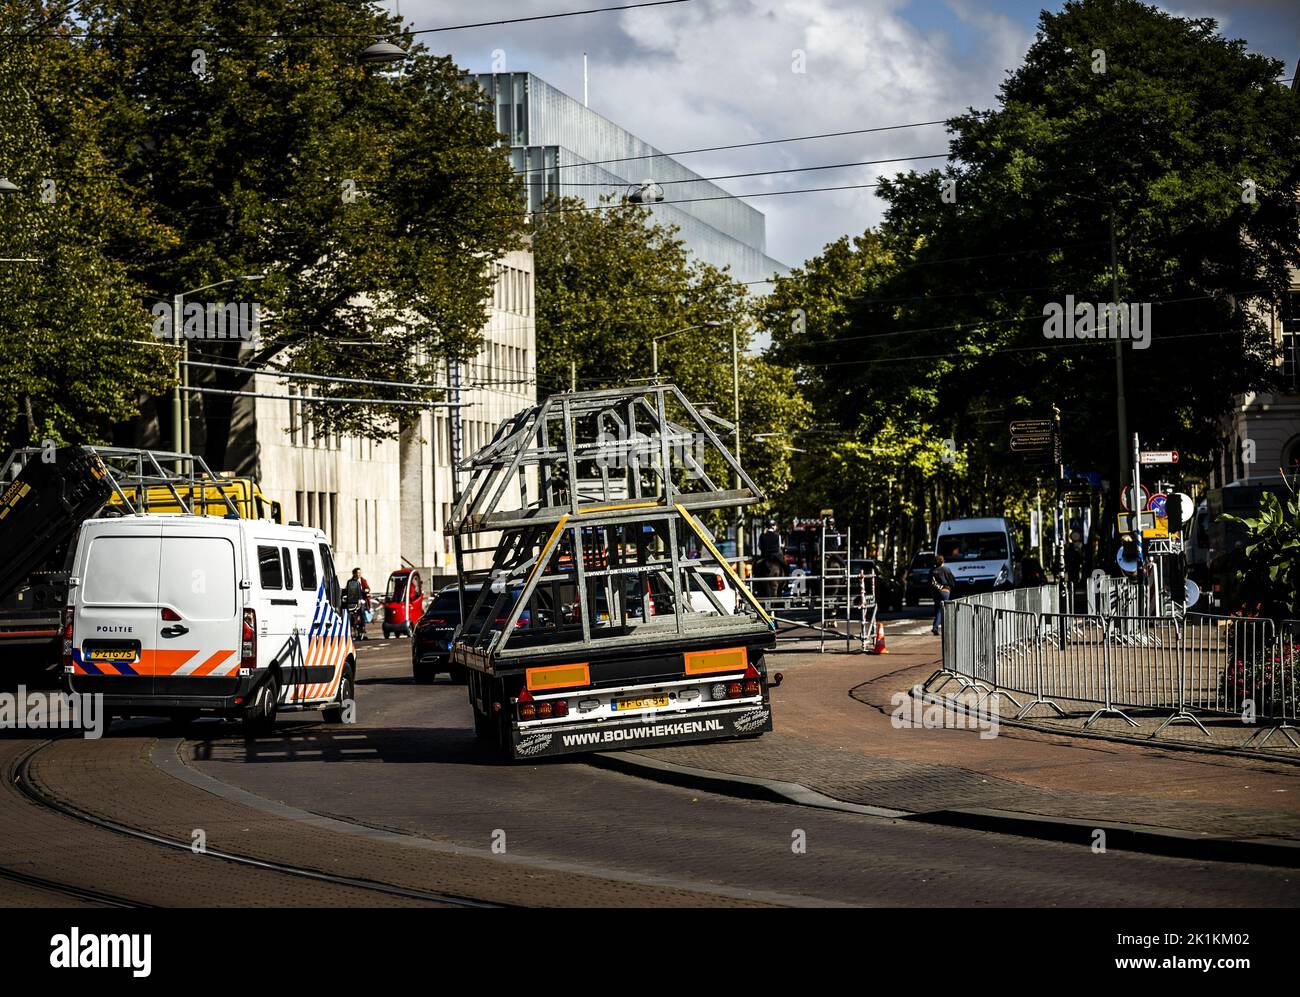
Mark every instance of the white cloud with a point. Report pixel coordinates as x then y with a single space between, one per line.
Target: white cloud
714 72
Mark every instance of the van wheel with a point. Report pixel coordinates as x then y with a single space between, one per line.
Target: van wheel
333 714
259 716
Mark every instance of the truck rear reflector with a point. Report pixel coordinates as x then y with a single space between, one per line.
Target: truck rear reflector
728 659
558 676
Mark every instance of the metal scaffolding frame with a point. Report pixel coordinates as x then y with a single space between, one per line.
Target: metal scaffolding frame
589 503
132 471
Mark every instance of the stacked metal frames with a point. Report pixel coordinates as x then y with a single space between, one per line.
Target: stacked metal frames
588 503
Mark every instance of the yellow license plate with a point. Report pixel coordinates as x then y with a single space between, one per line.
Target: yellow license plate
642 703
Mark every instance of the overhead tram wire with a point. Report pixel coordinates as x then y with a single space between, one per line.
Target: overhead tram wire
310 35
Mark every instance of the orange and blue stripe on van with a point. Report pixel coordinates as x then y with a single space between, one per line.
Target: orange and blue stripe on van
177 662
329 645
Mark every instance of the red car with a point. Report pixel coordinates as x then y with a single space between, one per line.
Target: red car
403 603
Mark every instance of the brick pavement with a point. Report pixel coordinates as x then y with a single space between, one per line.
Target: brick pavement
114 778
834 733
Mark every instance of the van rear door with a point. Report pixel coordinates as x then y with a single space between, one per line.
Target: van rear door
115 631
199 613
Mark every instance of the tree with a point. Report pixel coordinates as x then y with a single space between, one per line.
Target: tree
372 200
1121 114
610 279
70 320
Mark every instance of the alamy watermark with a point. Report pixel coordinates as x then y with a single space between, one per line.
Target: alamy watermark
1104 320
213 320
23 710
915 709
640 450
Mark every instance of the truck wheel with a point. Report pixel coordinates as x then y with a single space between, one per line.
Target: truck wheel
259 716
333 713
423 673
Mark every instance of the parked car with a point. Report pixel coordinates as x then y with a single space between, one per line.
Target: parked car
889 593
916 579
722 591
403 603
431 642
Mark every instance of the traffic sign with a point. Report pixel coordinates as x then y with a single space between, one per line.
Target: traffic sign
1159 456
1036 438
1157 503
1153 527
1126 498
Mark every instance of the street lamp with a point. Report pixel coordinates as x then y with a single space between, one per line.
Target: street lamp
382 52
180 393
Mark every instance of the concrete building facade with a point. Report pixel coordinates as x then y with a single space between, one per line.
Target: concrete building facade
564 148
384 505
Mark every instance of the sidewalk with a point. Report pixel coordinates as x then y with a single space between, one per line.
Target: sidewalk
835 734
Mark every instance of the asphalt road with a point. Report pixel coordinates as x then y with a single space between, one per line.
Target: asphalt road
412 765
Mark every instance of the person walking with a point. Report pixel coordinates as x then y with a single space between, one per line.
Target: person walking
942 582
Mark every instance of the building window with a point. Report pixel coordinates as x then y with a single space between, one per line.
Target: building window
1291 340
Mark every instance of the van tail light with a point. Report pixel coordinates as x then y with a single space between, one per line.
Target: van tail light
170 615
248 641
67 638
718 584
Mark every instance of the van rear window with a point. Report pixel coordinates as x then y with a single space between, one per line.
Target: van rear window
268 568
121 571
197 577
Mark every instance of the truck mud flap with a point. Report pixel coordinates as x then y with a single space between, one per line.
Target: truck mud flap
641 732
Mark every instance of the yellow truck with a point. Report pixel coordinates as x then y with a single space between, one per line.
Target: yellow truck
213 497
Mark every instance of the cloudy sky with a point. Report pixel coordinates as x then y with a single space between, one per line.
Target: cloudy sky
714 72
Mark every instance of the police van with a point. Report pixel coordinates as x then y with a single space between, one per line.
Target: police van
177 615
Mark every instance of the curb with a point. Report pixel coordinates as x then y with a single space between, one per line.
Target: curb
726 784
1149 839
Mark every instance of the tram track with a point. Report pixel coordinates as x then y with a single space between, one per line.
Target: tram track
20 776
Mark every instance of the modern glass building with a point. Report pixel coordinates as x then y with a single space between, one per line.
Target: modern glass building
567 149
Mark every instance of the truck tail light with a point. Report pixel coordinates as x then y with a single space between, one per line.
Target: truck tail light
561 707
735 689
248 641
527 711
67 638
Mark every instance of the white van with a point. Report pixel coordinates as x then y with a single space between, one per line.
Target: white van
175 615
981 553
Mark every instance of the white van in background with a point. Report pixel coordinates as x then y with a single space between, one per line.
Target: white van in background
981 553
176 615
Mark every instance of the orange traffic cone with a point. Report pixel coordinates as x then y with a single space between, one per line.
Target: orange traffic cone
880 639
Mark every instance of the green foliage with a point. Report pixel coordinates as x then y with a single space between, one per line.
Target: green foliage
609 280
1270 575
248 167
935 318
71 321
